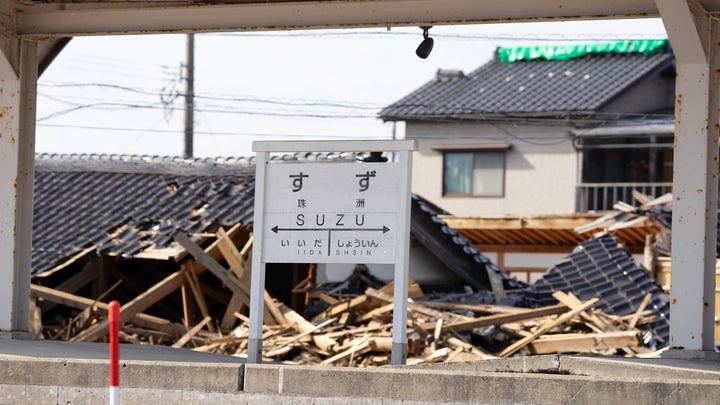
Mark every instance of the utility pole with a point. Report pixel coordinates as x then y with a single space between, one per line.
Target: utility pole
189 95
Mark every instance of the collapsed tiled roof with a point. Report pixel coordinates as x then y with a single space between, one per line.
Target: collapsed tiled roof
533 88
600 268
123 205
446 243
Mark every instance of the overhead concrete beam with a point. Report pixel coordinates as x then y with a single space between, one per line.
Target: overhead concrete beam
73 19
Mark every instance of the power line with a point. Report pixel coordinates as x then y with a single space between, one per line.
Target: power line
226 97
210 133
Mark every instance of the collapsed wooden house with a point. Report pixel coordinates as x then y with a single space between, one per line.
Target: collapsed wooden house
171 238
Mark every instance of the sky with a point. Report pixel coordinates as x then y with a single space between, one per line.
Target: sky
125 94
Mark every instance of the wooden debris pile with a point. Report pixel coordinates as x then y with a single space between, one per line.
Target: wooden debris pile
356 332
351 331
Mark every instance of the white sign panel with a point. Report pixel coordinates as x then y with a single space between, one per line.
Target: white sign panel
331 212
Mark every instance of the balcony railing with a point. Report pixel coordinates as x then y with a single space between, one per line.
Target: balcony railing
602 196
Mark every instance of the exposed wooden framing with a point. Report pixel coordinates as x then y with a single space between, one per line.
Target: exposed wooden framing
493 248
136 288
87 274
231 254
72 260
229 279
87 314
235 305
186 306
239 264
75 301
193 283
143 301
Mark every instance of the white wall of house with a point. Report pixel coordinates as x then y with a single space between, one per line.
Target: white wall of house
541 167
424 267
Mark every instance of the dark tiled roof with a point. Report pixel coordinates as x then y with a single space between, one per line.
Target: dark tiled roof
460 256
599 268
124 205
534 88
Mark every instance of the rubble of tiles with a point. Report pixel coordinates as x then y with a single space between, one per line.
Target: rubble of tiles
601 268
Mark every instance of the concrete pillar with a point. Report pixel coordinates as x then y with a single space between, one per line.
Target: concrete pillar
693 33
18 90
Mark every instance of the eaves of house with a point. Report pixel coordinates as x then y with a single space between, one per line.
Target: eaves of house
550 232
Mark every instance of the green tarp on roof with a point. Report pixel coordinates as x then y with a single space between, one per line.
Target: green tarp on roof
564 52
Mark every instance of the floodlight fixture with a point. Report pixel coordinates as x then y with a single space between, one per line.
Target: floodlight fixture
423 50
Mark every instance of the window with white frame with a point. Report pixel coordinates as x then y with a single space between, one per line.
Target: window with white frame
474 172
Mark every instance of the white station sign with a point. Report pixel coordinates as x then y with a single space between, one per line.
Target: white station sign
331 212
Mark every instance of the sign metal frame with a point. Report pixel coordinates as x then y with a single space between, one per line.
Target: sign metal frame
403 149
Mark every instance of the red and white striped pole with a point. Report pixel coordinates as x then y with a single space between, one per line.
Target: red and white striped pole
114 320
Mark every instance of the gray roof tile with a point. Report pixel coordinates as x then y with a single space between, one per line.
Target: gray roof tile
529 88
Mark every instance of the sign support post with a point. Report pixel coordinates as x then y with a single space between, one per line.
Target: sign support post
402 271
332 212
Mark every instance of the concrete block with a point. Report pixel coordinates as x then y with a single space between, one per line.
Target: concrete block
191 376
83 373
262 378
140 396
133 374
84 395
349 401
28 394
549 364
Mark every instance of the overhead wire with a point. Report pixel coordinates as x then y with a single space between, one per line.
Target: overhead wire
224 102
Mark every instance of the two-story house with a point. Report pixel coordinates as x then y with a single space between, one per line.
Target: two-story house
549 129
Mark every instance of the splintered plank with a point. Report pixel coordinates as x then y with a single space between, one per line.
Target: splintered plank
470 324
434 357
191 333
412 305
140 303
194 283
544 328
302 325
584 343
229 279
305 333
361 347
78 302
572 301
343 306
636 316
482 308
